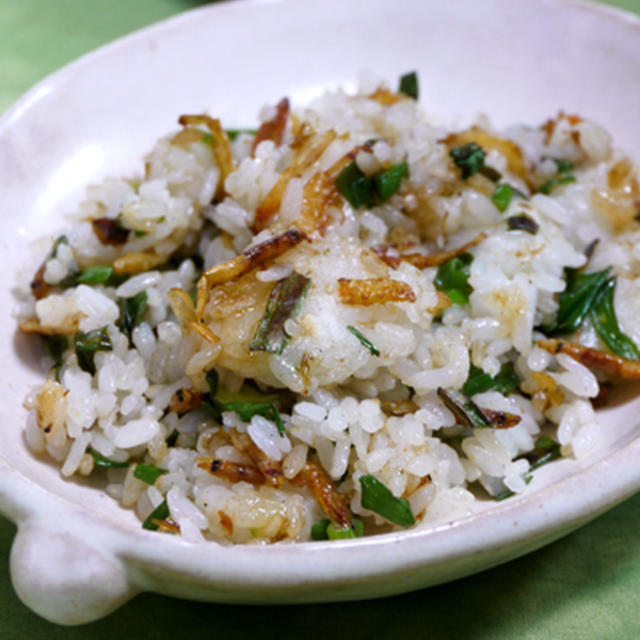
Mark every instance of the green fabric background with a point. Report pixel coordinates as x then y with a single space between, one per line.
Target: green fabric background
585 586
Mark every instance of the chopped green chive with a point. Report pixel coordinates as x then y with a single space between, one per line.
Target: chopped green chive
563 166
86 345
503 195
505 381
131 312
552 183
246 410
376 497
95 275
161 512
604 320
319 530
469 158
467 411
148 473
522 222
409 85
232 134
284 302
575 302
362 191
363 341
327 530
54 347
545 450
105 463
452 278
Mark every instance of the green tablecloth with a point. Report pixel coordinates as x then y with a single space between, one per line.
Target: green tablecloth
585 586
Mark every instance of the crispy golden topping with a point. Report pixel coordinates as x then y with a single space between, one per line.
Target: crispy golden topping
184 400
219 145
271 469
592 358
385 97
166 525
39 288
421 261
231 471
374 291
109 232
273 129
138 261
501 419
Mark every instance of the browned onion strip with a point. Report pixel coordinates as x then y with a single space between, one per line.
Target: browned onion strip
270 469
109 232
374 291
607 362
184 400
421 261
219 145
273 129
231 471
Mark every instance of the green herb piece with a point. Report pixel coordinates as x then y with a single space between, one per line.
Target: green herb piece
232 134
284 302
563 166
246 410
522 222
58 241
364 342
105 463
409 85
148 473
453 276
463 408
507 493
131 312
552 183
545 450
139 233
86 345
54 347
575 302
337 532
505 381
358 189
604 320
489 172
503 195
376 497
161 512
319 530
388 181
469 157
95 275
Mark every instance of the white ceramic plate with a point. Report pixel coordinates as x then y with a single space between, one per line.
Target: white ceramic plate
77 555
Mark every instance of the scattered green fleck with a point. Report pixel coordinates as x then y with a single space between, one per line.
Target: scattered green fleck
148 473
503 195
575 302
105 463
545 450
86 345
522 222
507 493
563 166
489 172
552 183
467 411
139 233
54 347
388 180
505 381
161 512
97 274
319 530
469 157
453 276
232 134
337 532
364 342
246 410
604 320
376 497
131 312
409 85
284 302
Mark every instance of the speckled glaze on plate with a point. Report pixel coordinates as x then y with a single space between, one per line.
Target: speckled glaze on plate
77 555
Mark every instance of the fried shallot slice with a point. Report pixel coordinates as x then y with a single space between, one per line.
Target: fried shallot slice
273 129
374 291
244 263
231 471
385 97
421 261
138 261
325 493
184 400
271 469
109 232
312 146
501 419
39 287
219 145
593 358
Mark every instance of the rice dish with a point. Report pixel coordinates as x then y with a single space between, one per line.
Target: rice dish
348 321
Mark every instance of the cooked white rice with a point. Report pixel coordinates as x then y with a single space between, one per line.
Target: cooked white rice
354 411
